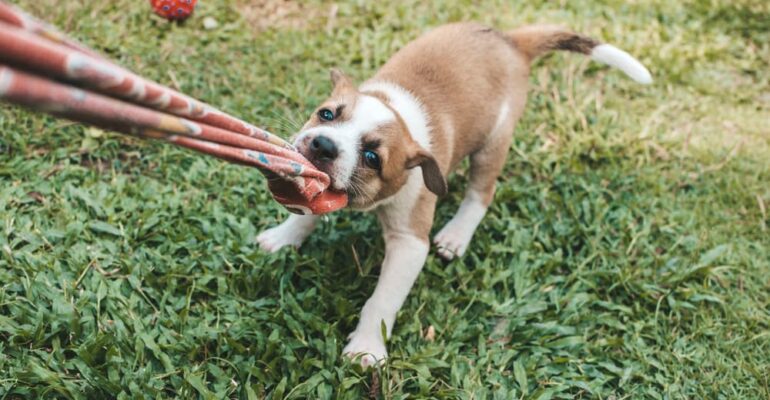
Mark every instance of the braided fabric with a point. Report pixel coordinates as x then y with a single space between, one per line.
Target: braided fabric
43 70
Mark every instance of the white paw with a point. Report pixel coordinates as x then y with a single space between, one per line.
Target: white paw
452 240
282 235
366 349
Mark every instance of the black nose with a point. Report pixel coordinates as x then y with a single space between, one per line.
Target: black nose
323 148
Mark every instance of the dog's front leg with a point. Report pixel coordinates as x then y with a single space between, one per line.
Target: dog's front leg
405 255
291 232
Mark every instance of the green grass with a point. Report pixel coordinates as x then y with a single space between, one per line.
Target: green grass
627 254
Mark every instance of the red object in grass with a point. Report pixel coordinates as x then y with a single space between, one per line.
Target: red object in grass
173 10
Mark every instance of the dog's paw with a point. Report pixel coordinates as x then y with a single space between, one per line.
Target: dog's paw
368 350
281 236
452 240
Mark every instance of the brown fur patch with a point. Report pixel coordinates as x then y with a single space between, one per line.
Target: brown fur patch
462 77
472 82
573 42
421 217
394 148
431 172
535 40
416 155
463 74
343 100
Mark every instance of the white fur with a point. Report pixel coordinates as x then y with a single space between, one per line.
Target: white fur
613 56
502 115
368 114
454 237
408 107
291 232
405 255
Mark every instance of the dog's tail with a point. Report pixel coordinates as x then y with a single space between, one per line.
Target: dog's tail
536 40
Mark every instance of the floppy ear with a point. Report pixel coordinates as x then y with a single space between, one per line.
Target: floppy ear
431 173
339 79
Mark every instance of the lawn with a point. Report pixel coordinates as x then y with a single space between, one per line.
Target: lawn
627 254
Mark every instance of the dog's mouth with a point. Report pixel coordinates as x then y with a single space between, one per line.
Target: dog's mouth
333 167
324 166
351 184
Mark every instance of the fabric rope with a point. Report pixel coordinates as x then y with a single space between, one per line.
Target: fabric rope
43 70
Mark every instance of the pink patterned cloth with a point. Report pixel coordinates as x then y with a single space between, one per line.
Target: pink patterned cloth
100 93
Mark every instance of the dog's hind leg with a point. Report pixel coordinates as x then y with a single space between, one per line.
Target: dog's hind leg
486 164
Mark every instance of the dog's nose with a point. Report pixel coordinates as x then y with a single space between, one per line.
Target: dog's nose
323 148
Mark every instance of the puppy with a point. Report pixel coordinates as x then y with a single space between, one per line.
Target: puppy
455 92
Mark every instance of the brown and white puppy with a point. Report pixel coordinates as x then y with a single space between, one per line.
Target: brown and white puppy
455 92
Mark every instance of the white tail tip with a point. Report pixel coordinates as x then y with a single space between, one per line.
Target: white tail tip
613 56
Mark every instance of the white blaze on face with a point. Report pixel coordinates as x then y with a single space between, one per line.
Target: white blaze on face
369 113
409 107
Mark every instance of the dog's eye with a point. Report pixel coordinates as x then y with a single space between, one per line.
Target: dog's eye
371 159
326 114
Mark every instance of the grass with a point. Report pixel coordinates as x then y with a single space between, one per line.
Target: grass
627 254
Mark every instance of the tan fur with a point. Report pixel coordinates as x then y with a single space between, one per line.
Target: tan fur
421 217
343 95
463 73
394 150
471 83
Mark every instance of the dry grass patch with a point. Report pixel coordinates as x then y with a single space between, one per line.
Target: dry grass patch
285 14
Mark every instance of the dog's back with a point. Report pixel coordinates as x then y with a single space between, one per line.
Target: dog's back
470 72
462 68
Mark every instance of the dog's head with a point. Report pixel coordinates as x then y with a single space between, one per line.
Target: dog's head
364 146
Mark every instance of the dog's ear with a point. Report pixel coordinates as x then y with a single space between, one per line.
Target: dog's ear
431 173
340 80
